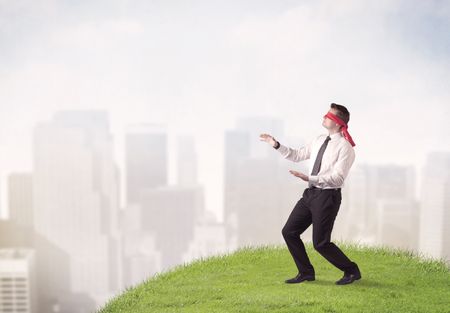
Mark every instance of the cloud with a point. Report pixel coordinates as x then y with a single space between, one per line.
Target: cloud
295 63
200 66
104 33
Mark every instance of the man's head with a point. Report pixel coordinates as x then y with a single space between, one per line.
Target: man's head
341 112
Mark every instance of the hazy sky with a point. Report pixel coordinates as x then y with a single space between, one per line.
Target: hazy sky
198 65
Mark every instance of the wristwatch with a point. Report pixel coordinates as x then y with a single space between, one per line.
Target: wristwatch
277 144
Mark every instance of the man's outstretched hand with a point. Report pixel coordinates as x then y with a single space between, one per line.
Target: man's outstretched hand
267 138
300 175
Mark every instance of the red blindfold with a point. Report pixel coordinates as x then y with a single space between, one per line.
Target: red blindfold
340 122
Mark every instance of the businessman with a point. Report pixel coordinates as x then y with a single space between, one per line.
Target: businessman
333 155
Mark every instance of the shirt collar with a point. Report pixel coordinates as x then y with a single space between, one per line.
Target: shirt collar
335 135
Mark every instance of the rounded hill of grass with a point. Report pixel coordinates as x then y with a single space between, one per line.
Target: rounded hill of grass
252 280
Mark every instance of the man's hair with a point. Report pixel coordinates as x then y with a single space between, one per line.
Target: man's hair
342 112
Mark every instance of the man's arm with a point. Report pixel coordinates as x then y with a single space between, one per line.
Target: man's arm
340 169
296 155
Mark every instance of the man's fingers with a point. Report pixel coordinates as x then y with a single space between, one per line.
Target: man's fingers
265 137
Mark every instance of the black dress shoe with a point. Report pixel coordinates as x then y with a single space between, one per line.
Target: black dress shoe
349 277
299 278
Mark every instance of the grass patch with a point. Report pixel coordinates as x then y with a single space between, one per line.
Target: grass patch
252 280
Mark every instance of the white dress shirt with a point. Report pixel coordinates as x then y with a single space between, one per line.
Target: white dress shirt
336 162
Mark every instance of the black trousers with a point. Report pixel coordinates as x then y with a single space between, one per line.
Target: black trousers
318 207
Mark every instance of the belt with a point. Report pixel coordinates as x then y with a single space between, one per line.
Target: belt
314 187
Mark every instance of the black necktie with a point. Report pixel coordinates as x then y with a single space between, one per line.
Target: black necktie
318 162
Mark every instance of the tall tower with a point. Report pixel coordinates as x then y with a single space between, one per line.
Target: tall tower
186 161
75 197
146 159
20 199
17 281
435 206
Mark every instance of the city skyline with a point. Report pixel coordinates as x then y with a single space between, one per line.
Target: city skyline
67 209
242 149
214 194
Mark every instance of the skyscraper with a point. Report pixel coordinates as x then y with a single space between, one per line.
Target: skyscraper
435 206
75 197
237 147
146 159
17 281
20 198
187 168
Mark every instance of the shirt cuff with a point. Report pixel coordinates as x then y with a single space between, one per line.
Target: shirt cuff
313 179
283 150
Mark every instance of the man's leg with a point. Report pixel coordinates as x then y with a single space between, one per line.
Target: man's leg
298 221
324 210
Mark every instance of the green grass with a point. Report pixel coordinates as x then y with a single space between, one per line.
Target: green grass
252 280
